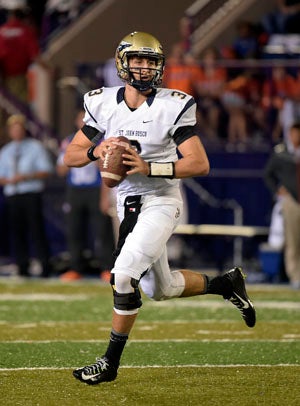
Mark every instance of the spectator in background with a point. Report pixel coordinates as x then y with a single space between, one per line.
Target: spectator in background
24 166
58 14
7 5
37 9
290 112
234 100
3 14
282 176
185 32
245 46
285 19
256 123
210 89
241 100
87 209
182 71
277 87
110 74
19 48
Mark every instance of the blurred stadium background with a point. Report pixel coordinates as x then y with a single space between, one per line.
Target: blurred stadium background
234 194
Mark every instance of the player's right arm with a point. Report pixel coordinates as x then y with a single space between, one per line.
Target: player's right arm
85 146
78 152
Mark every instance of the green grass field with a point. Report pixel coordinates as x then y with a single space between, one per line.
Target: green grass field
182 352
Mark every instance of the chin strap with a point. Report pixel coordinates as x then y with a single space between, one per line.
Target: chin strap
142 86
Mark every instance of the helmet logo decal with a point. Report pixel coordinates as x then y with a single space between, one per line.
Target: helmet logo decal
123 45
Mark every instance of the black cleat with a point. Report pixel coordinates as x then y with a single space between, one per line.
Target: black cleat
101 371
239 296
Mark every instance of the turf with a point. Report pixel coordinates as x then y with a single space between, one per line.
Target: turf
249 386
186 351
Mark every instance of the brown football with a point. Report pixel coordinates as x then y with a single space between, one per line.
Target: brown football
112 169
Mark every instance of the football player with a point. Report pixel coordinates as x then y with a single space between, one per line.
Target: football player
158 122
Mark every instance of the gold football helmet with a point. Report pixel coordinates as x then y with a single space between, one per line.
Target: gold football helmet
144 45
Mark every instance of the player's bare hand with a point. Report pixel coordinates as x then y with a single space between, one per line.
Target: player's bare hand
137 164
105 147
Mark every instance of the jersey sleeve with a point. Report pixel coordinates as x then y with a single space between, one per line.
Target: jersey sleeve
186 115
93 102
183 133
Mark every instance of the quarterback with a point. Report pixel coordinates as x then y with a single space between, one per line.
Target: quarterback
160 125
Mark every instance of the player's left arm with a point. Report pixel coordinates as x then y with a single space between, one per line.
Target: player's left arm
194 160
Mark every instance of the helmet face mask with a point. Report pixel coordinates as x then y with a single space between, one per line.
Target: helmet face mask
143 45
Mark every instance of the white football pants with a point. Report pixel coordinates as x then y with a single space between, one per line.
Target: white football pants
145 248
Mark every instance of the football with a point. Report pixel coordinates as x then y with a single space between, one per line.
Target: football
112 169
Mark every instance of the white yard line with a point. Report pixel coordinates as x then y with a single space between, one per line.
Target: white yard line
176 303
147 341
218 304
157 366
33 297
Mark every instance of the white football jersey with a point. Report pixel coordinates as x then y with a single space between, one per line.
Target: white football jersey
150 127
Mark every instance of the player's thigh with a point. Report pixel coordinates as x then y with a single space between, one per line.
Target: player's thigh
147 242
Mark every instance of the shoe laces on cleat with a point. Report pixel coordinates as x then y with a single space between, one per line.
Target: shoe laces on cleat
99 366
100 371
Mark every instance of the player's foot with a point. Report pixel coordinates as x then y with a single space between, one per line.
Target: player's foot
239 296
101 371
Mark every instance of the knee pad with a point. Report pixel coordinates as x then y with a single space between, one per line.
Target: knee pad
127 296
